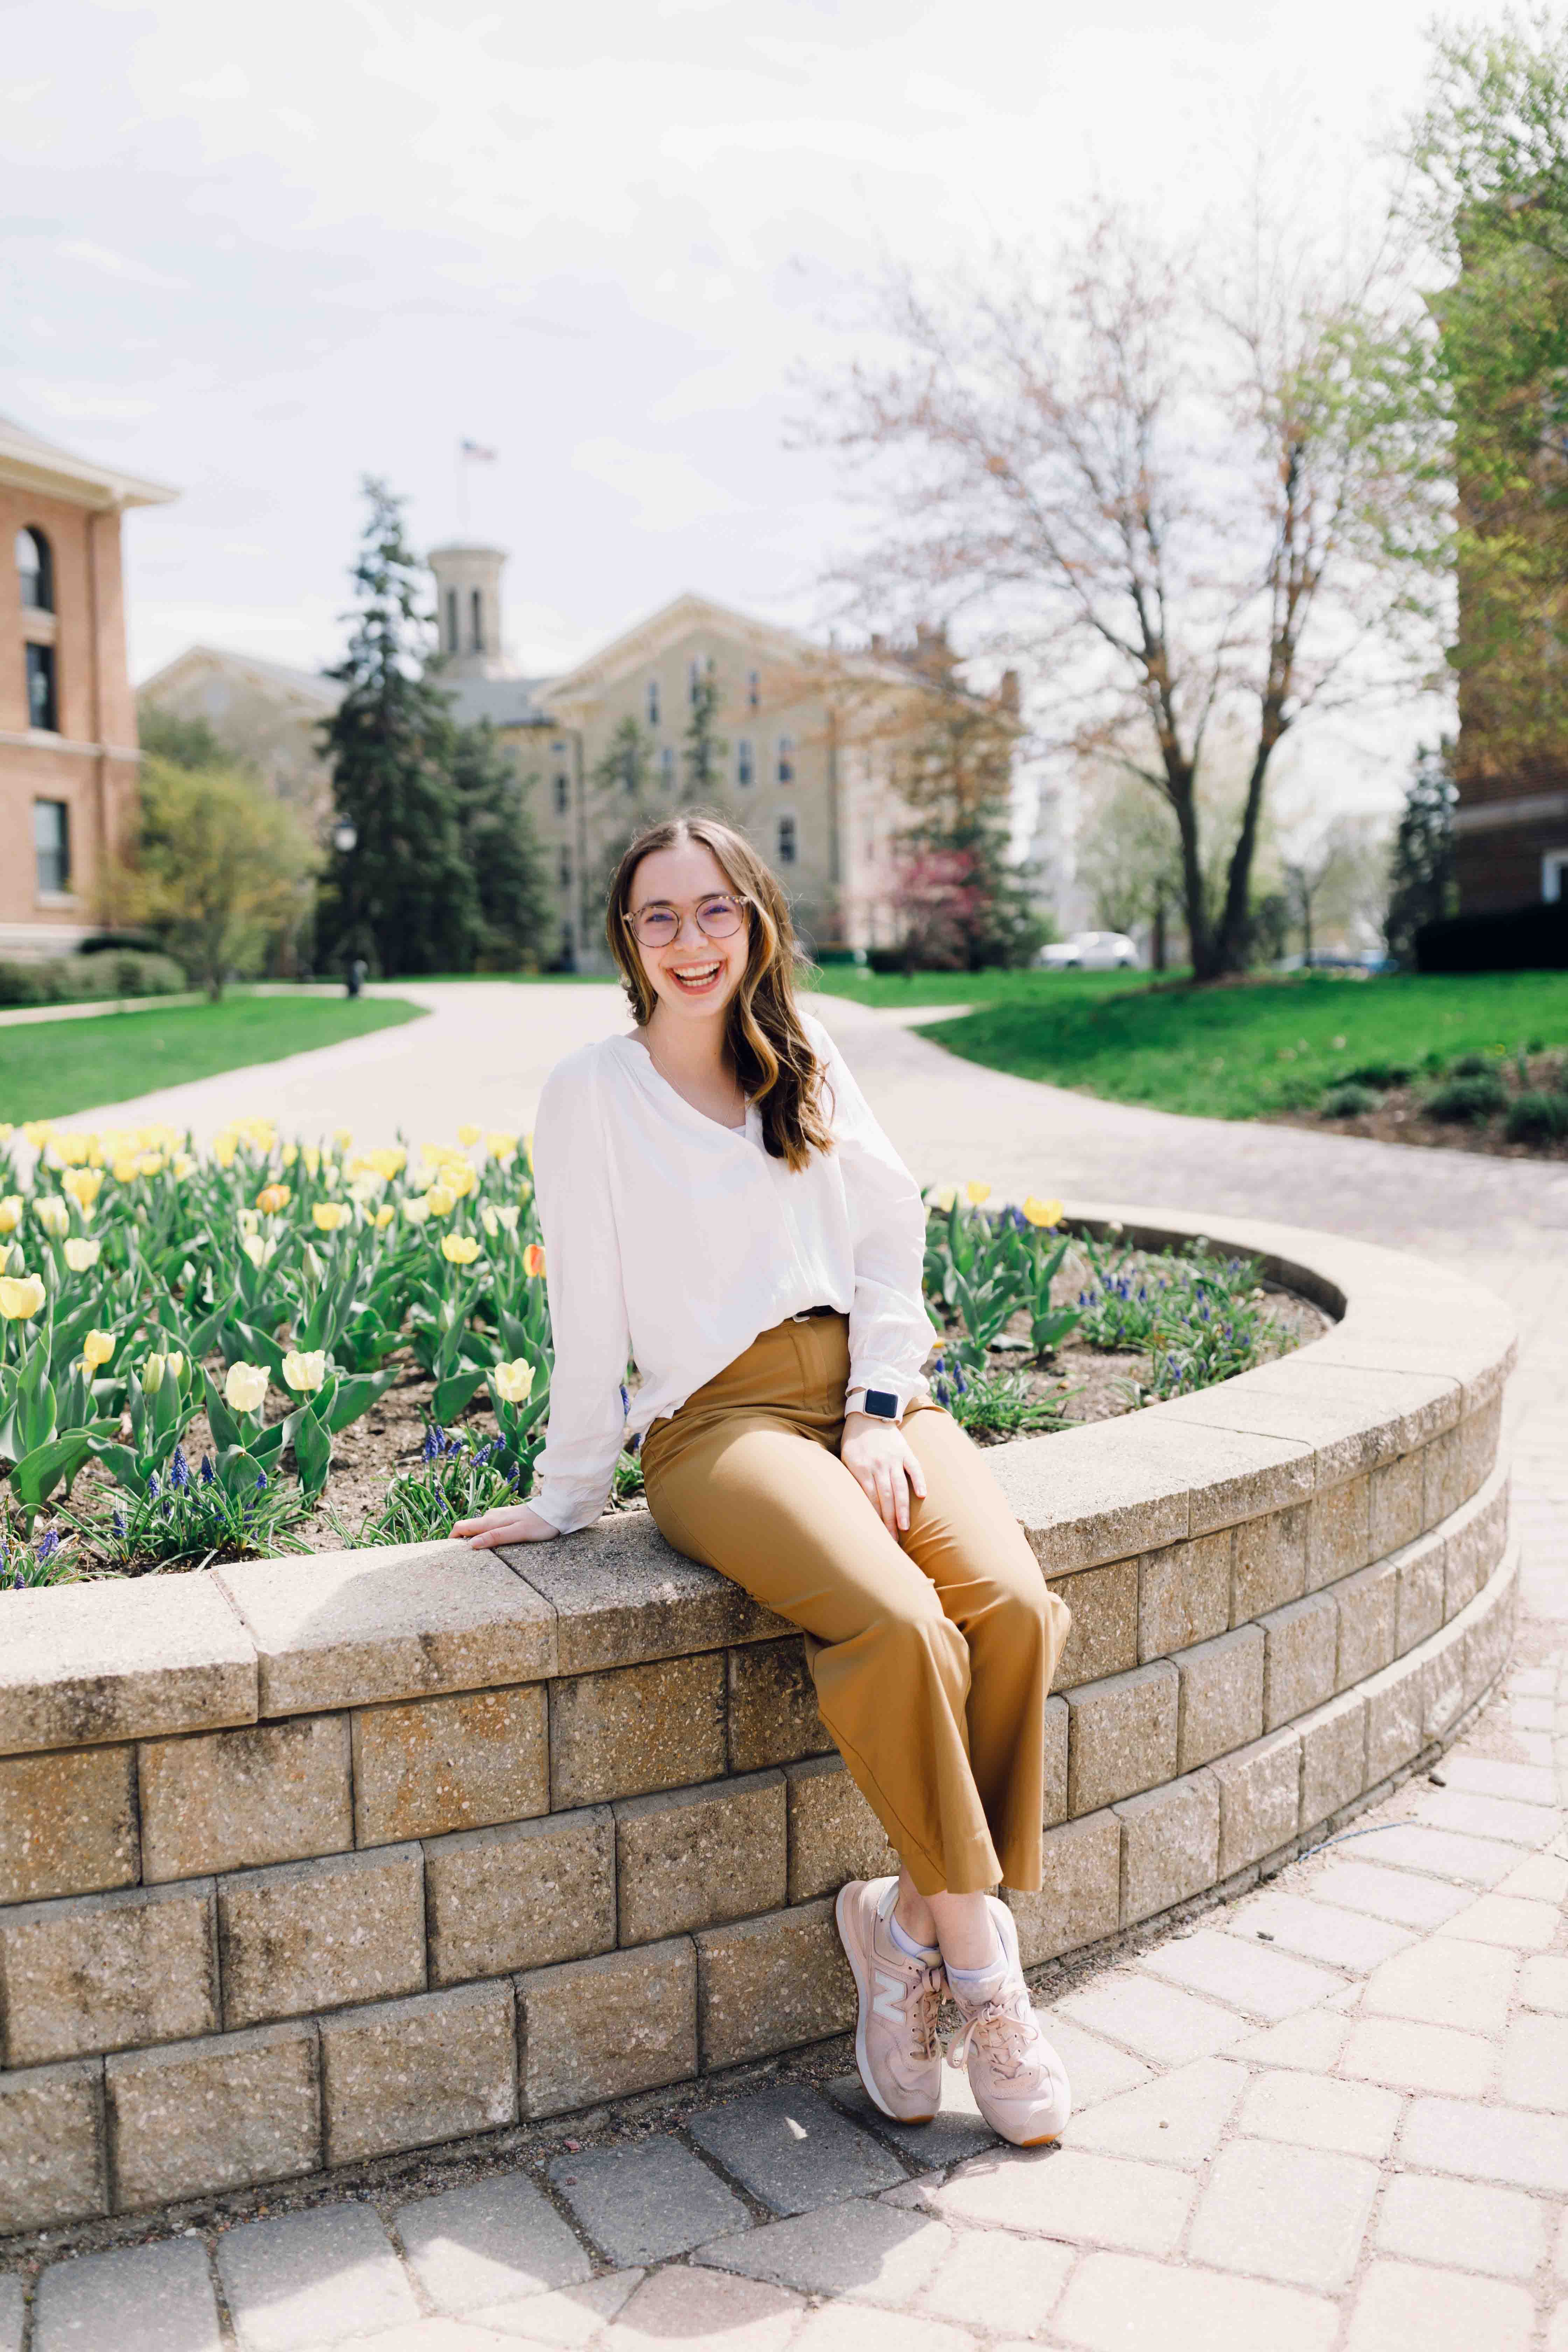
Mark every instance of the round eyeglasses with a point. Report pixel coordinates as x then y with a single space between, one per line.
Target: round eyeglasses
718 917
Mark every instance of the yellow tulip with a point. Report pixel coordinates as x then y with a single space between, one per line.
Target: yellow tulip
125 1170
21 1297
249 1221
944 1197
506 1217
84 1185
440 1200
6 1130
500 1146
259 1252
417 1211
51 1212
80 1255
312 1160
291 1153
11 1208
528 1146
153 1372
1043 1212
38 1132
468 1136
223 1148
73 1149
460 1178
305 1373
150 1164
274 1198
184 1165
383 1216
245 1390
97 1349
534 1259
175 1364
459 1249
514 1380
975 1193
342 1136
328 1215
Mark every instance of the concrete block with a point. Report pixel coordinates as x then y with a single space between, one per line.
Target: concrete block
1170 1846
311 2279
197 2116
433 1765
793 2152
774 1718
1183 1594
1339 1531
1268 1566
697 1857
52 2165
636 1729
1221 1695
1056 1744
1480 1433
240 1800
603 2029
1259 1800
1398 1504
621 1595
1367 1603
316 1934
1443 1476
1419 1571
1097 1500
527 1894
1122 1735
1476 1538
834 1835
489 2242
1299 1659
406 2073
1103 1637
1489 1644
156 2298
1442 1680
398 1620
1079 1898
108 1971
1333 1758
769 1984
85 1663
646 2201
68 1823
1393 1718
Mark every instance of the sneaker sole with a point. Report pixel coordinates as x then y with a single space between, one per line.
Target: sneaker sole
862 2003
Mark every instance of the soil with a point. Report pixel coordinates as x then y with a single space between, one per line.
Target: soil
1399 1117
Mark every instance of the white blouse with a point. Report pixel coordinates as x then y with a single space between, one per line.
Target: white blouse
675 1240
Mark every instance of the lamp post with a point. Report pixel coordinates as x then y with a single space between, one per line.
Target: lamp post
345 841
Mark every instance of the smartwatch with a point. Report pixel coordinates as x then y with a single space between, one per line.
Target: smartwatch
881 1404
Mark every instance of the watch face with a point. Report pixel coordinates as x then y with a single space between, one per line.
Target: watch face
882 1403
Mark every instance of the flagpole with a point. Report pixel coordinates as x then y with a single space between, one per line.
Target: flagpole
462 495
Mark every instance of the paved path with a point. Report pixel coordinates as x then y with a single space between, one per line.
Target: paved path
1331 2117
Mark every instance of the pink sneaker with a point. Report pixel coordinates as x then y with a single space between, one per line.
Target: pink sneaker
897 2047
1020 2084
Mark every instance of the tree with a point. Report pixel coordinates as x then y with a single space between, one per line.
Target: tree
705 749
500 848
217 867
1127 856
404 892
186 742
623 802
1193 493
1421 887
1326 864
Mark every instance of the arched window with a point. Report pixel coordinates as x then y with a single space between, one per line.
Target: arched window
35 571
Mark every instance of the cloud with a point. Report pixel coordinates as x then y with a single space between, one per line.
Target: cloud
117 265
667 489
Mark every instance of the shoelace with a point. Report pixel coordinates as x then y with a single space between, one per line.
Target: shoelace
922 2008
1004 2032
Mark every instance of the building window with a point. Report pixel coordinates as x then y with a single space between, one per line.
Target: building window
35 571
667 768
653 702
563 868
1555 876
753 689
52 847
563 794
785 770
42 707
476 621
452 620
745 765
786 840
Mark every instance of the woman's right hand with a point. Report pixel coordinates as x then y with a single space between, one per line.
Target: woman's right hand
517 1523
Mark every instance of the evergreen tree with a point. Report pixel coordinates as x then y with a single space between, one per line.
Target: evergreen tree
1421 887
501 850
706 751
623 802
405 895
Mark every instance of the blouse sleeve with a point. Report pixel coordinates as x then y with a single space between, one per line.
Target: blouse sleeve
587 1305
890 1334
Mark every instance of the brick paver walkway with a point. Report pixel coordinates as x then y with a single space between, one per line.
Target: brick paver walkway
1331 2116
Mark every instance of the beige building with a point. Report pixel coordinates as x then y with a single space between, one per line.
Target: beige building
67 719
262 711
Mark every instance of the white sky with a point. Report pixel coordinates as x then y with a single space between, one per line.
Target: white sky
258 252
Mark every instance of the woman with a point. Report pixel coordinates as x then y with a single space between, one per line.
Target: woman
717 1202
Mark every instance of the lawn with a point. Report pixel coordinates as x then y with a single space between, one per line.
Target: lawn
48 1068
1234 1052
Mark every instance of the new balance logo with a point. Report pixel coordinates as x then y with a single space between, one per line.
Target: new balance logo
889 1999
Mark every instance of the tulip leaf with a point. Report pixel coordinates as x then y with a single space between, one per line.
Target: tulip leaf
313 1453
454 1391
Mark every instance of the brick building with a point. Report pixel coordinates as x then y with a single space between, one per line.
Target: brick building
67 720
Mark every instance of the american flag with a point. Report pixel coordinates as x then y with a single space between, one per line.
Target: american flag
467 449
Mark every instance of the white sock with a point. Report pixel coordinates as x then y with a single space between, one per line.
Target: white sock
968 1980
906 1943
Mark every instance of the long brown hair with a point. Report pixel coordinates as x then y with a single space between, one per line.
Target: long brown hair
773 1058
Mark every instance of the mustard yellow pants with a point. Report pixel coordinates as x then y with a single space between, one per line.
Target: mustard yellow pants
932 1651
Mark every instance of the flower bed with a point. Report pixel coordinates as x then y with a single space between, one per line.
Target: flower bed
233 1353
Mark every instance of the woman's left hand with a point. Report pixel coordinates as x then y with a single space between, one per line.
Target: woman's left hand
882 1460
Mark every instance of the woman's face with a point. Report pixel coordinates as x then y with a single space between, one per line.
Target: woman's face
693 976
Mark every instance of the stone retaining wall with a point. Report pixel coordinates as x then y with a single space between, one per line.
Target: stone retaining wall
309 1860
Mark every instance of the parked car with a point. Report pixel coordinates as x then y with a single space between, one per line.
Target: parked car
1091 952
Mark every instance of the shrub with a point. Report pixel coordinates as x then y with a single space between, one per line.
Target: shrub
1472 1065
1467 1101
83 979
1538 1118
1349 1101
1379 1074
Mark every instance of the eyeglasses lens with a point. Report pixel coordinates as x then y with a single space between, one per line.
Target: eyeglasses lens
717 918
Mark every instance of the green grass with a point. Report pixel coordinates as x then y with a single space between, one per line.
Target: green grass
48 1068
1235 1052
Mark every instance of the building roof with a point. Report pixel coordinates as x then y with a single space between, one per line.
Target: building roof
504 702
671 622
308 685
29 462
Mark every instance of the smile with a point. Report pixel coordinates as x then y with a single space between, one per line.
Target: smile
698 977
